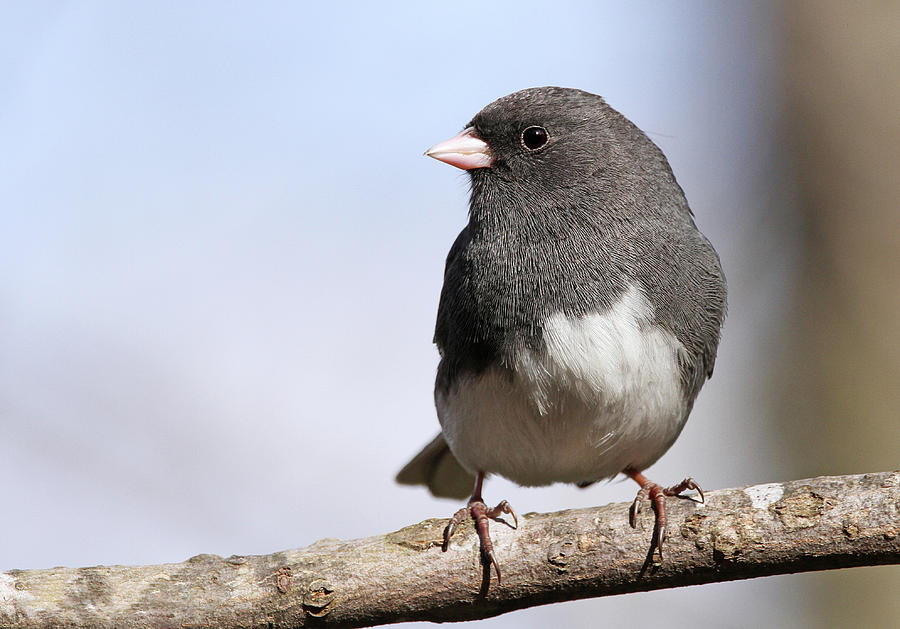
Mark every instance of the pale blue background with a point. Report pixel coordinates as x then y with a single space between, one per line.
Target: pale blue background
221 252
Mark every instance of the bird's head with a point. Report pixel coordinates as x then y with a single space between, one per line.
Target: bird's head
543 138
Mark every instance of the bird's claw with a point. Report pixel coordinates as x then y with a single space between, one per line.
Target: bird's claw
479 512
657 497
685 485
500 509
452 525
636 506
491 558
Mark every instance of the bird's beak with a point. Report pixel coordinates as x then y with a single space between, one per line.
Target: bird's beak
466 151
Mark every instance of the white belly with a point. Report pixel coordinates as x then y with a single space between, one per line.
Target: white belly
605 394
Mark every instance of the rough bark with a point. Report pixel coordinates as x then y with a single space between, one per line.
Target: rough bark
777 528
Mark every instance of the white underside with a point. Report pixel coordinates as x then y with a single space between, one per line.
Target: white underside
605 395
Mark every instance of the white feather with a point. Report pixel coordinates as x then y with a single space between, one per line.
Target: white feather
605 394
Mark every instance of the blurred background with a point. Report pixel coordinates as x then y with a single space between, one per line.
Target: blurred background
221 251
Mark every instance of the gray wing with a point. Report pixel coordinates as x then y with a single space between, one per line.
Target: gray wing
437 468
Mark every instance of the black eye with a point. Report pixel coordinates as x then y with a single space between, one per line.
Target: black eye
534 137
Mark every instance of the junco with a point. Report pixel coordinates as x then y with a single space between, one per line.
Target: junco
581 307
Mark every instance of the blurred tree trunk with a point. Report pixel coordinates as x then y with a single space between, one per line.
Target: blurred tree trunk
841 410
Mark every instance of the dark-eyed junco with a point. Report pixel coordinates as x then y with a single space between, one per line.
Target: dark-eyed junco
581 307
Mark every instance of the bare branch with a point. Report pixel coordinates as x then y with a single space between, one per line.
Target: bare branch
778 528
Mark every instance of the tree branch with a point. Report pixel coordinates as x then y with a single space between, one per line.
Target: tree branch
778 528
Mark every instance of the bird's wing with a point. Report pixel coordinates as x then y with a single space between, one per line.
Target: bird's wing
437 468
440 331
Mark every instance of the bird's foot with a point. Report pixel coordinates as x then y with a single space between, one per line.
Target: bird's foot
482 515
657 495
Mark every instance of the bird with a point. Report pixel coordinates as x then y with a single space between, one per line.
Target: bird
580 313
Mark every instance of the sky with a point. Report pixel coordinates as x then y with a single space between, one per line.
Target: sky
221 251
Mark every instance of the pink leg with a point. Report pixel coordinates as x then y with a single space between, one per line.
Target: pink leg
478 511
657 497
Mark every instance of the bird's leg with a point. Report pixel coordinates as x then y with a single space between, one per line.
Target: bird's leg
481 514
657 496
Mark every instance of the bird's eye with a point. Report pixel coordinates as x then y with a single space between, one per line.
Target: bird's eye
534 138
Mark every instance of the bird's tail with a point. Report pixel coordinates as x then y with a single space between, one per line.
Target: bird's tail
440 471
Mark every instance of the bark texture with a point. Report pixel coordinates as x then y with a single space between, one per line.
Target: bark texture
777 528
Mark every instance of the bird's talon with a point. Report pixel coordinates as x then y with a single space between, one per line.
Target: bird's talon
481 515
501 508
493 560
635 510
452 525
447 534
657 496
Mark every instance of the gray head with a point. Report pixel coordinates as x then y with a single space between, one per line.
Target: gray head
544 138
538 147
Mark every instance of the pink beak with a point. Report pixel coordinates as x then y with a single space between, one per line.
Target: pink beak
464 151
